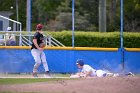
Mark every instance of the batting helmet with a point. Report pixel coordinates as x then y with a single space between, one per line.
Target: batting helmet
39 26
80 62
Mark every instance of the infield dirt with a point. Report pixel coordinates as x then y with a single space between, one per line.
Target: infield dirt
129 84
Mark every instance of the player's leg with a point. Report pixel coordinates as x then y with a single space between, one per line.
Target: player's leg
101 73
36 56
126 74
44 62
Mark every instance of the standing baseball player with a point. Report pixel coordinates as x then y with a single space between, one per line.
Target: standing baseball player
37 51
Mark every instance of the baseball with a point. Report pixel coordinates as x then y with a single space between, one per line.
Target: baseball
11 7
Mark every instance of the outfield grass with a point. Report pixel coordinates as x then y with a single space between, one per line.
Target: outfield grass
19 92
30 75
28 80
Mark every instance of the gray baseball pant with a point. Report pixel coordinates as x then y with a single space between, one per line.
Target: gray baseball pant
39 56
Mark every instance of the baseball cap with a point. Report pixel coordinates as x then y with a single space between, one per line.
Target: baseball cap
80 62
39 26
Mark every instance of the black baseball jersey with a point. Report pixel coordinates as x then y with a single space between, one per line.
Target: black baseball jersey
39 38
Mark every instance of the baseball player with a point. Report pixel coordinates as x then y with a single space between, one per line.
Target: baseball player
37 52
87 71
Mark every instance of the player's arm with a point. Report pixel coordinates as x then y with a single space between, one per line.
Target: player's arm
35 43
81 74
85 74
88 73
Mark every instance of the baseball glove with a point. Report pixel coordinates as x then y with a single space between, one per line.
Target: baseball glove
42 45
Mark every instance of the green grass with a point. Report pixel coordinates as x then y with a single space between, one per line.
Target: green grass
19 92
27 80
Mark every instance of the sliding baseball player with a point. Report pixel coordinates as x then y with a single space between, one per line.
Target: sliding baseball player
88 71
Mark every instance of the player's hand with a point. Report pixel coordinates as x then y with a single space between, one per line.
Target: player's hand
40 49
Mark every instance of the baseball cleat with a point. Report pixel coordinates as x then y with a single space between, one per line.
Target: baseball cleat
35 74
131 74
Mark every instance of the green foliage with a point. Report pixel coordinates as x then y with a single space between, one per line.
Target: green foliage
54 13
131 15
63 21
97 39
5 5
88 9
44 10
64 37
132 40
93 39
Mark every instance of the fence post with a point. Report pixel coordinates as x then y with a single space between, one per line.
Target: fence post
73 2
49 39
121 35
102 15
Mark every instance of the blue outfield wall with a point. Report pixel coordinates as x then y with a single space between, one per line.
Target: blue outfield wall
132 61
63 60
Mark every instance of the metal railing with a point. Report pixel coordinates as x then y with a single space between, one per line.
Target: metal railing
15 23
23 40
26 39
50 41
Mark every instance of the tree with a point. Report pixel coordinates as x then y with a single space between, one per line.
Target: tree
6 6
112 15
132 15
85 15
54 12
45 9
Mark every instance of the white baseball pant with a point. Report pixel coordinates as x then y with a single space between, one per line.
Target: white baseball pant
100 73
39 56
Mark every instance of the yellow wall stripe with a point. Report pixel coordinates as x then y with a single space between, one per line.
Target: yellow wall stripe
61 48
70 48
82 48
15 47
132 49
